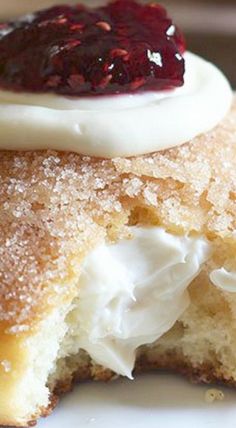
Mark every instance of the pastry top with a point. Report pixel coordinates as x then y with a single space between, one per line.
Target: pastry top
54 207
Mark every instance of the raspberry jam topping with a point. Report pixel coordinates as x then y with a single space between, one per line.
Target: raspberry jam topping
122 47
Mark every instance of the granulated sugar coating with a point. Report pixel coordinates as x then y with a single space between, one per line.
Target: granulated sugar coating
54 207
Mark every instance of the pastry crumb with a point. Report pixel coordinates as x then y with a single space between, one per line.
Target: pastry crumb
214 394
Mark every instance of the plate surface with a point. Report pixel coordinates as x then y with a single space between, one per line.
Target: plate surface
152 401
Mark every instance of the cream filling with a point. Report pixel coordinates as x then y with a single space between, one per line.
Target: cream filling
132 292
120 125
224 279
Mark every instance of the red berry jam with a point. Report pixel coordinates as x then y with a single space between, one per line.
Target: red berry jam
75 50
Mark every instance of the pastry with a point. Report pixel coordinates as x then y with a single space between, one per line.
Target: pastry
117 205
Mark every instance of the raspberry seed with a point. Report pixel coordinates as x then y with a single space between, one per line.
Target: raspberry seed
104 25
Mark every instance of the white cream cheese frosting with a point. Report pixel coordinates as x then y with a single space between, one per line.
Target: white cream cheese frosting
120 125
132 292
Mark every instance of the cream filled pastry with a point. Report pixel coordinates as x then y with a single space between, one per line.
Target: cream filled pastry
117 204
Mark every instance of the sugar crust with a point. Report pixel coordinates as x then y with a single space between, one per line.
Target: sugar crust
55 206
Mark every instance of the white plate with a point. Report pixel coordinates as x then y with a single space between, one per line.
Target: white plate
152 401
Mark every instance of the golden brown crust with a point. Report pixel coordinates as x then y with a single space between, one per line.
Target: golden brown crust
200 373
197 374
203 373
55 206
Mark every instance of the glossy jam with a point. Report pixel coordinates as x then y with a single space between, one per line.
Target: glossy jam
74 50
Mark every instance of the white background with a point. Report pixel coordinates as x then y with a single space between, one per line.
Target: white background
11 8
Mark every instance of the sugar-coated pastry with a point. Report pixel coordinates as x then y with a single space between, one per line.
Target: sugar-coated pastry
117 205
